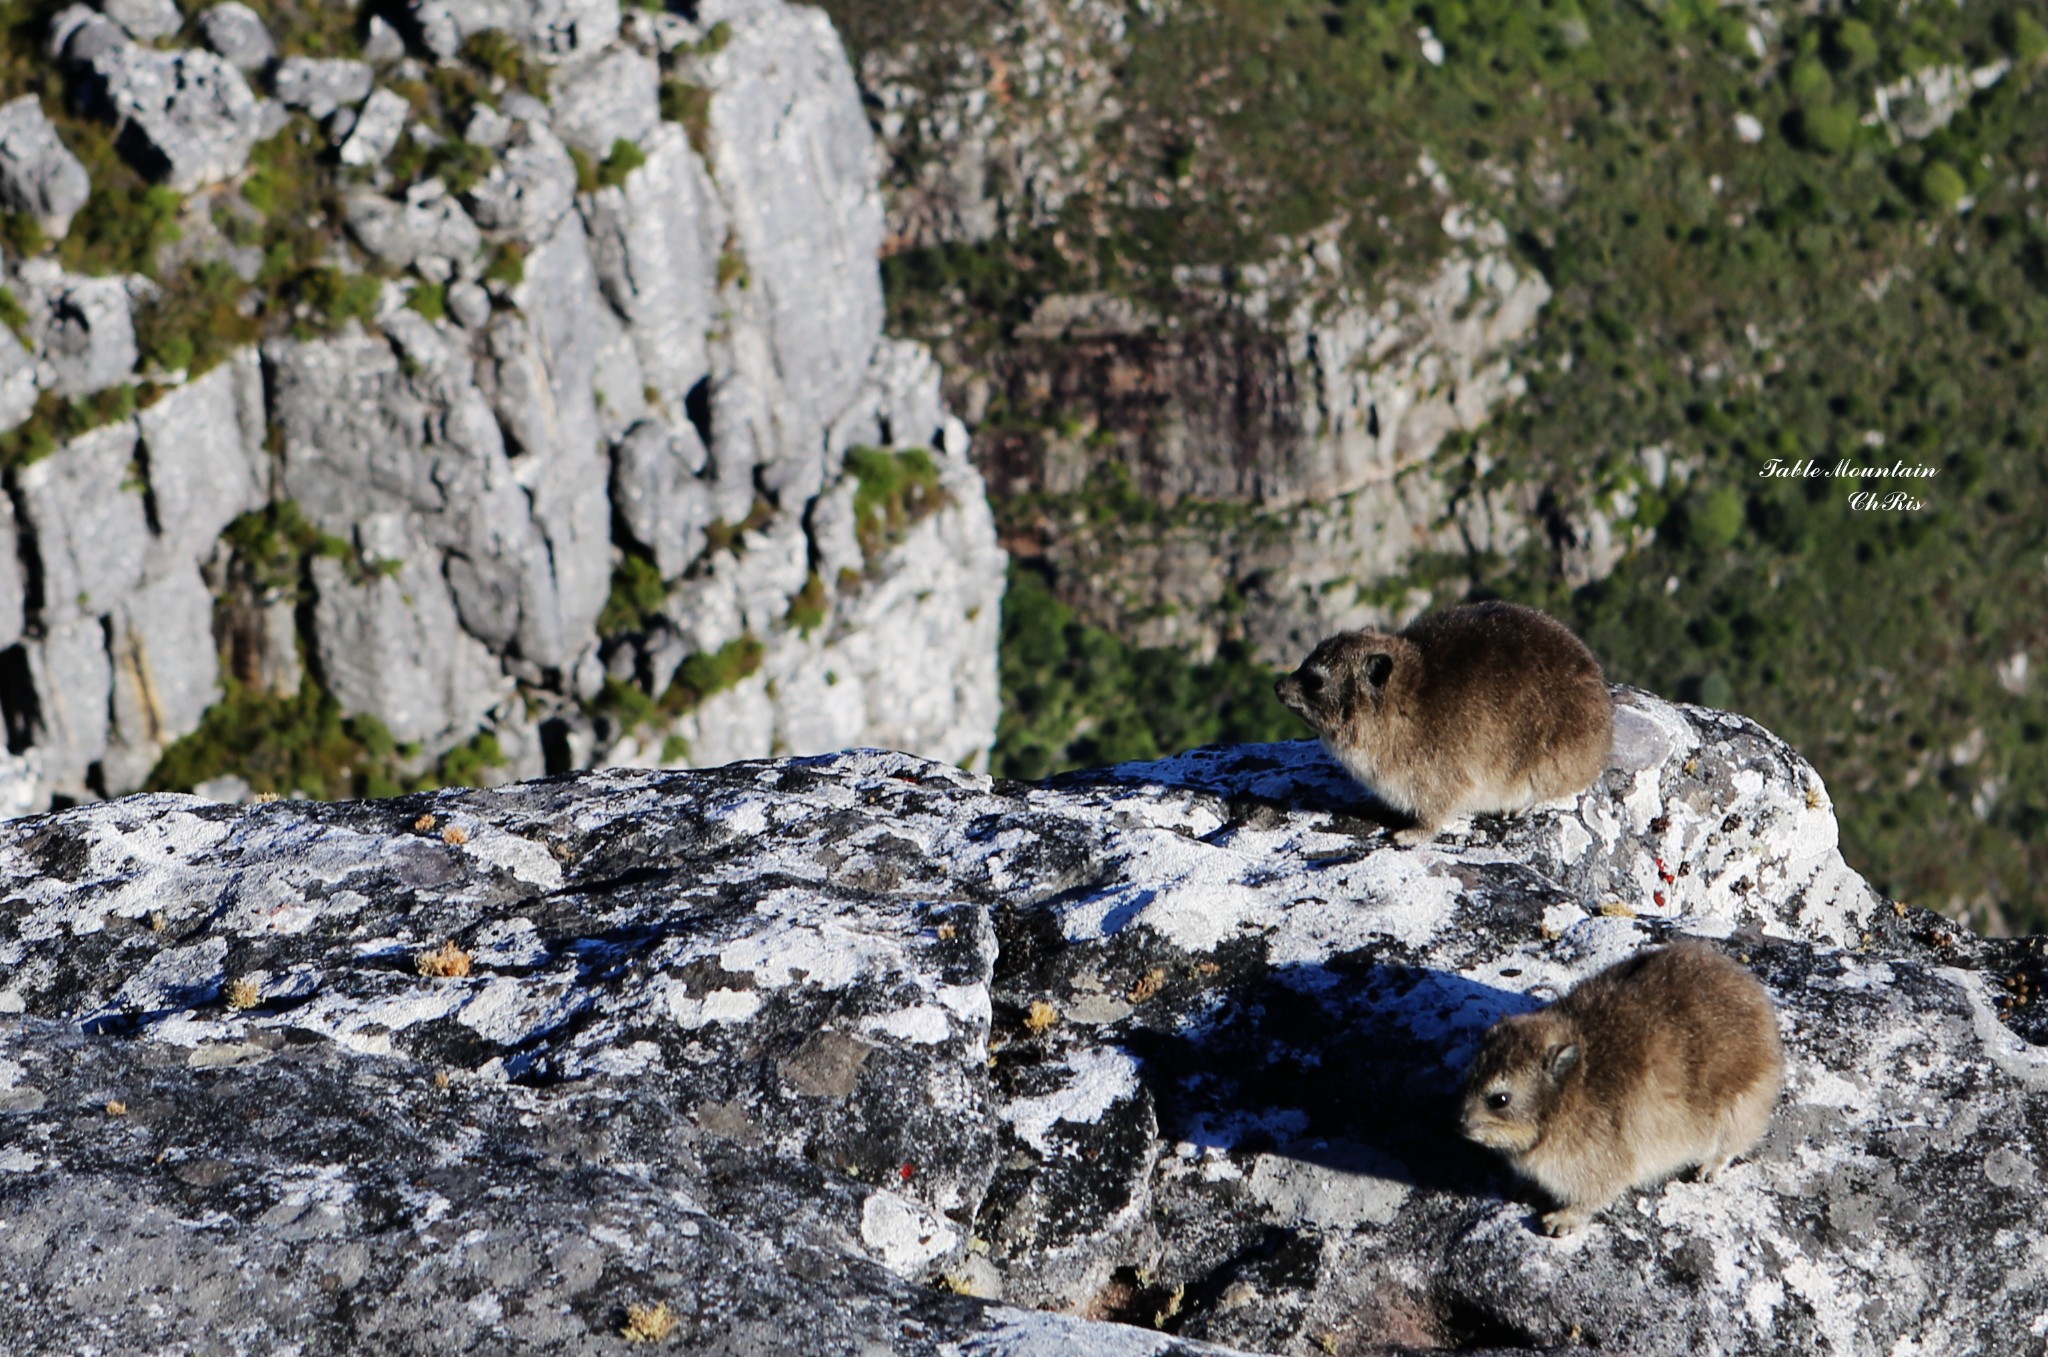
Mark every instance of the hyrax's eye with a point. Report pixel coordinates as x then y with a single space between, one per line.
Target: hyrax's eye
1498 1101
1311 681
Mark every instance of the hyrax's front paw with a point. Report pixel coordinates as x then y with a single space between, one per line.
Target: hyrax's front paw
1415 836
1564 1220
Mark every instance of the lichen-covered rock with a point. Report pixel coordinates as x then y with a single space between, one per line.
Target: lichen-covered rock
1175 1044
614 98
38 174
235 31
165 671
186 118
320 85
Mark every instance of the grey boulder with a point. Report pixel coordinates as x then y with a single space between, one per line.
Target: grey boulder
318 86
552 30
377 129
38 174
657 494
236 32
144 19
614 98
185 118
85 327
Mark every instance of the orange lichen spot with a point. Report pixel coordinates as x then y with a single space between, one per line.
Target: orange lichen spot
455 836
1041 1016
244 993
648 1323
117 1108
446 962
1148 985
425 822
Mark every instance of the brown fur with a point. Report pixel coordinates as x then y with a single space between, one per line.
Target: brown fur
1491 707
1666 1060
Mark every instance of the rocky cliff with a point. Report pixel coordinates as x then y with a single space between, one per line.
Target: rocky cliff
512 388
878 1051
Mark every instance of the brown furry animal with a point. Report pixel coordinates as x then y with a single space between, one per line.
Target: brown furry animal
1666 1060
1491 707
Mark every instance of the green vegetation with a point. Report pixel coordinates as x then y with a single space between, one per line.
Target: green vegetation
508 265
809 609
697 678
625 158
893 490
690 105
1076 696
636 596
15 316
126 221
196 320
430 300
1824 292
281 745
56 421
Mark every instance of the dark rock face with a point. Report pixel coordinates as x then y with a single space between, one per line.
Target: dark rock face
833 1046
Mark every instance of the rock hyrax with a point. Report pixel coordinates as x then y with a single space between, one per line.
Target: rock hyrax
1666 1060
1491 707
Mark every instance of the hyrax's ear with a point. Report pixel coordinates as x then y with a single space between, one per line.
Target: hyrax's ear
1559 1061
1378 666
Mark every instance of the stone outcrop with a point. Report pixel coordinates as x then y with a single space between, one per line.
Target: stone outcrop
38 173
873 1049
568 388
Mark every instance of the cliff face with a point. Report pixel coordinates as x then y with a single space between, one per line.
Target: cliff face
604 453
880 1052
1300 399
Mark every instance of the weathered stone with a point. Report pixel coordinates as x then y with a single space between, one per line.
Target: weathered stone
390 643
382 42
369 430
614 98
13 587
202 447
794 156
655 241
165 672
84 508
1180 1038
553 30
78 33
429 226
185 118
531 186
144 19
38 175
85 328
68 668
320 85
17 381
656 493
377 129
470 305
234 31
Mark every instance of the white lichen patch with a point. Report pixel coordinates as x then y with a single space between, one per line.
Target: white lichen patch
718 1006
903 1233
528 861
1097 1079
925 1024
512 1012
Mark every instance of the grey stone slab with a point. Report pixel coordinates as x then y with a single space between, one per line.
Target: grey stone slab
83 503
38 174
615 97
202 446
165 672
237 33
144 19
319 86
186 118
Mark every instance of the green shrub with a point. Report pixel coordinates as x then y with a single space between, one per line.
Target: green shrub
508 265
808 610
893 490
430 300
1941 186
196 320
690 105
703 676
625 158
637 595
15 316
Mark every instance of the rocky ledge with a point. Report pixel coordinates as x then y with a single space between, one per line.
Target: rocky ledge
881 1052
